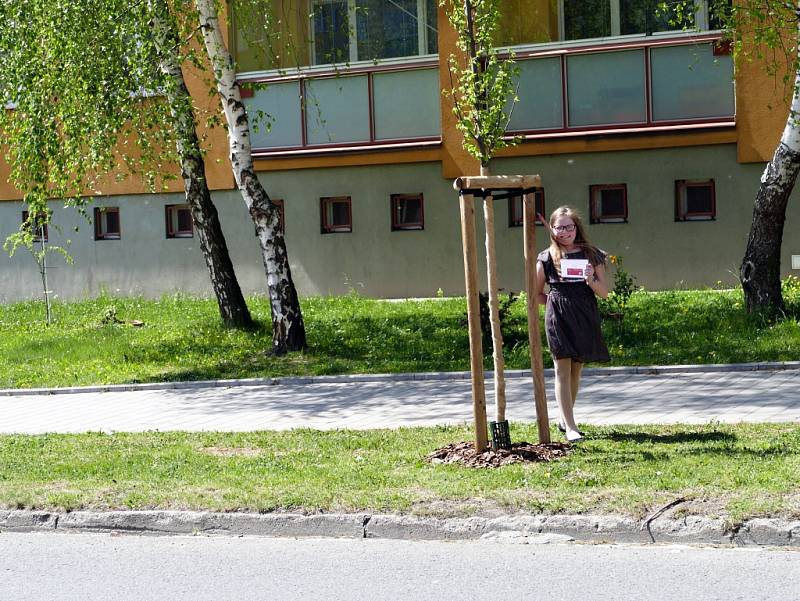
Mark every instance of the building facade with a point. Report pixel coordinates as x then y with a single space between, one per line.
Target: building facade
644 126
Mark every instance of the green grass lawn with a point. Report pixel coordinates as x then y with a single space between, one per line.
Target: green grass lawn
182 338
730 471
733 471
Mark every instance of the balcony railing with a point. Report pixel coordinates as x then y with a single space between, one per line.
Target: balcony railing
644 84
649 83
362 106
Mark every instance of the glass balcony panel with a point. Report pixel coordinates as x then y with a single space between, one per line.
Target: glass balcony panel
337 110
540 95
689 82
406 104
281 123
606 88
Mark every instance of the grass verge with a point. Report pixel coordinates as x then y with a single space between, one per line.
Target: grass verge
730 471
182 338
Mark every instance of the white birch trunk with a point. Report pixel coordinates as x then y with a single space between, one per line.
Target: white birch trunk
288 330
232 306
761 265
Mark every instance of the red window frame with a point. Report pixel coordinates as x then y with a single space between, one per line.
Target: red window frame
101 220
172 222
516 210
595 204
338 228
681 209
396 201
37 237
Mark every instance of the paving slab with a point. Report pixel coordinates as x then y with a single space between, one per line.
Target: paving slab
655 395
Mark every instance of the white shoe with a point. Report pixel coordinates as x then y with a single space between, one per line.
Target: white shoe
574 436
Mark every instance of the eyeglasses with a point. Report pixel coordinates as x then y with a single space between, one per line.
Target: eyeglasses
564 228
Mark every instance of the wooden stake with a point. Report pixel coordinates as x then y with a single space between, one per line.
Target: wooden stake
467 204
497 182
494 312
534 336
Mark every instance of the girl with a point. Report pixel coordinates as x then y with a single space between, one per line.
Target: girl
572 322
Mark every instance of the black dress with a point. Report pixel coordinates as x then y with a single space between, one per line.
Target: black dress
571 319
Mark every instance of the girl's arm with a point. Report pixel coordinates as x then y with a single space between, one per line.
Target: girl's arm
596 278
541 297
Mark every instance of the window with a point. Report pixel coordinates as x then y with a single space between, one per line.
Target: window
106 223
608 203
695 200
649 16
179 221
39 224
516 210
335 214
358 30
408 212
584 19
564 20
718 12
331 29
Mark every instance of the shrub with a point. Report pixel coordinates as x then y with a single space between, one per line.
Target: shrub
506 301
619 296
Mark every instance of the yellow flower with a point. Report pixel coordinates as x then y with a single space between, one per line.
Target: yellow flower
613 259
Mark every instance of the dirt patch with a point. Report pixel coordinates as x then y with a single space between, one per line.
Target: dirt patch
464 453
232 451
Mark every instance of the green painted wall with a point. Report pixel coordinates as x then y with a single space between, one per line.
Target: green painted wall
376 261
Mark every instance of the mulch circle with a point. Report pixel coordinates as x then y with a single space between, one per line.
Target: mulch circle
465 454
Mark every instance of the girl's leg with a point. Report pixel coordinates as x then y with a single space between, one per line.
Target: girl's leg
564 397
575 380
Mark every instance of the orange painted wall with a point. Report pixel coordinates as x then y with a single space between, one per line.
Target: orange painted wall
761 114
7 191
762 108
350 159
455 160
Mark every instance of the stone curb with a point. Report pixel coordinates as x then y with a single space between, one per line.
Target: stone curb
404 377
525 529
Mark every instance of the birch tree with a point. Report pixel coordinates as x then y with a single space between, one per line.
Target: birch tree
768 31
204 213
288 329
774 25
77 76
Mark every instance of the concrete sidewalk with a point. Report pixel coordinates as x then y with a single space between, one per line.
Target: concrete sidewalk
756 393
693 394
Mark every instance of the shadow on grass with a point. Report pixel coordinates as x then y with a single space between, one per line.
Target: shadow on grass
393 342
673 438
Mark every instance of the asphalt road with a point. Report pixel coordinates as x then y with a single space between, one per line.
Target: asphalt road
56 567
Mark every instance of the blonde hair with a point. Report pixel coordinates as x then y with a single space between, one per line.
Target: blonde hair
593 254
